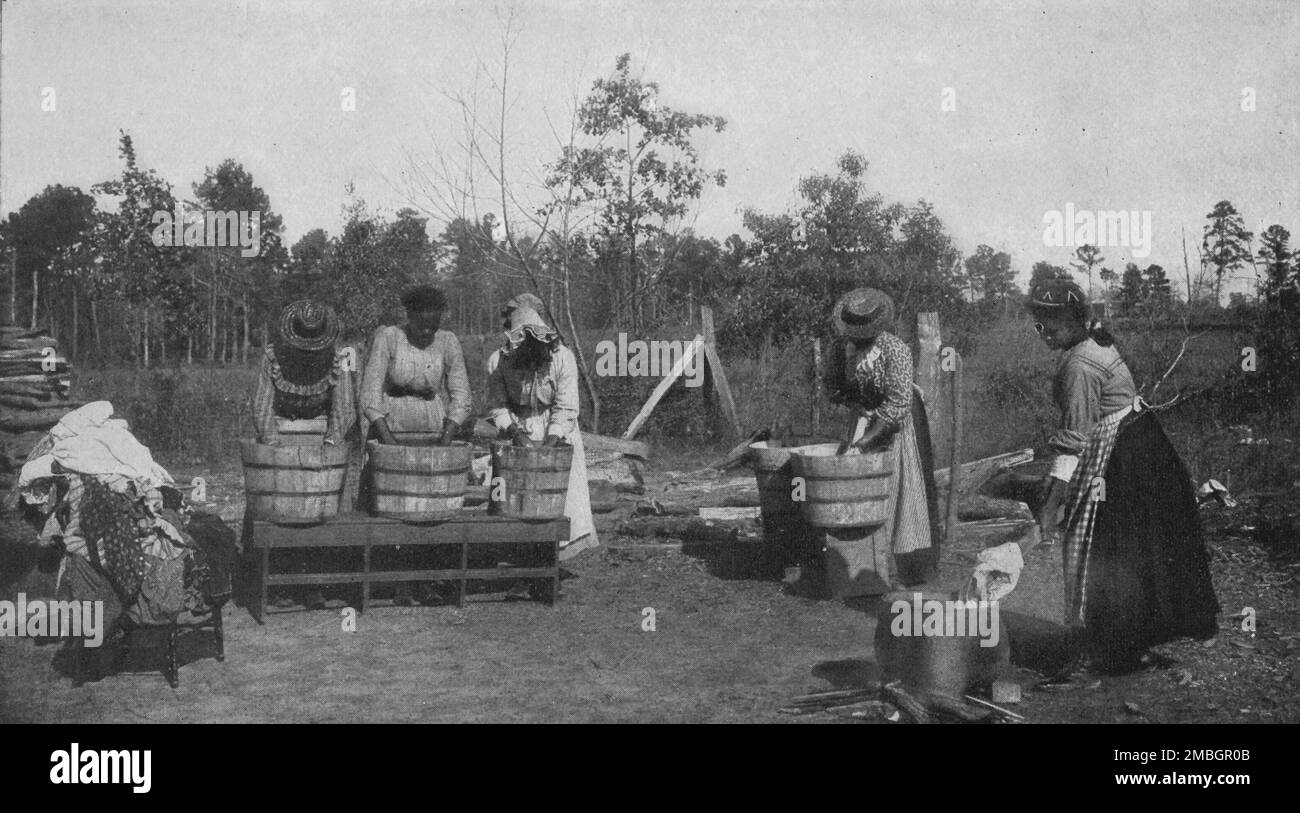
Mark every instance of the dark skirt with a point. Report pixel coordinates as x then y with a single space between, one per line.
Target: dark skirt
1148 570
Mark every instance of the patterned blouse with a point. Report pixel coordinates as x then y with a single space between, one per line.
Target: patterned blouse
881 387
404 384
278 398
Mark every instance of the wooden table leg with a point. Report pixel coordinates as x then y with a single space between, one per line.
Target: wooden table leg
259 602
365 580
464 565
555 576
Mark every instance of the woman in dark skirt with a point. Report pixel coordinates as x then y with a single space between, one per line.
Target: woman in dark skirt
1136 567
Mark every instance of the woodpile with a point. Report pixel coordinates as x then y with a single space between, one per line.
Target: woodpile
34 394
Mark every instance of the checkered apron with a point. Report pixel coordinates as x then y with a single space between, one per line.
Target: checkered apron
1081 503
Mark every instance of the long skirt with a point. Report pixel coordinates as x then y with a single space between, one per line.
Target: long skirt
1137 572
908 535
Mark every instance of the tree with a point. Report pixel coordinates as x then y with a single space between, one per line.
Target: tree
1225 244
1086 257
1134 290
1108 276
1043 271
1159 290
990 272
1279 263
148 278
233 277
643 172
50 237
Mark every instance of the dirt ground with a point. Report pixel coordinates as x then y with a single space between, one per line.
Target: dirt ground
722 650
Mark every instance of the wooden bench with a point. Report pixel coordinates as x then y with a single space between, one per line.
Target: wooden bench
471 529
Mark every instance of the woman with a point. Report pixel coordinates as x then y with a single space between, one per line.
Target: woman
408 369
1136 567
302 378
533 399
880 389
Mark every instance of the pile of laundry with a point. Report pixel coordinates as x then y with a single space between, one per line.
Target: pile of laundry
118 527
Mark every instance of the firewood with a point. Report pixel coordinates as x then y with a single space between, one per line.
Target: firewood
907 704
22 421
955 707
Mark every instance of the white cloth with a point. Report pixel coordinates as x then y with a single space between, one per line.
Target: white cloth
997 570
90 441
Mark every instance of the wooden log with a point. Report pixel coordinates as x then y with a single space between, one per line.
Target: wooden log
667 381
837 696
907 704
719 514
27 402
51 389
977 506
694 530
738 453
954 457
603 443
714 362
944 703
25 420
977 472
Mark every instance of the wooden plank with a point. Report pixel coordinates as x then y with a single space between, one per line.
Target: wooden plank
740 450
667 381
714 362
929 346
602 444
485 574
977 472
954 458
728 514
349 530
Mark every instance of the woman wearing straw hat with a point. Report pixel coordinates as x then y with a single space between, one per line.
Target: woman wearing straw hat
533 400
873 375
302 378
1136 566
302 381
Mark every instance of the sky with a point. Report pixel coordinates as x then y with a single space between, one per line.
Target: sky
1100 106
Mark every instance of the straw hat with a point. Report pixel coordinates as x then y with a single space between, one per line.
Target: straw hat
863 313
308 326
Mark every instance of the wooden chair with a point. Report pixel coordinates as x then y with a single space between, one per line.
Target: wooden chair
161 637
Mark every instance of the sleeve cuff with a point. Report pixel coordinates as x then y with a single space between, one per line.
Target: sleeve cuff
1063 466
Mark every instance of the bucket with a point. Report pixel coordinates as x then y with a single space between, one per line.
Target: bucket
534 480
788 538
843 491
953 661
418 483
293 485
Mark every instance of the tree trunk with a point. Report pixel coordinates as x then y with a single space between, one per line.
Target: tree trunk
75 332
146 338
243 350
36 287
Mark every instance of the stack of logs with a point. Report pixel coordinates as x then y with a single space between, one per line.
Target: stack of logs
34 387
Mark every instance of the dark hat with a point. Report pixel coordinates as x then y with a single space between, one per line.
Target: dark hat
863 313
1057 296
308 326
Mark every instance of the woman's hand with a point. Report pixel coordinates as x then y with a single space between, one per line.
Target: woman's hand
519 436
551 441
385 434
450 429
1048 523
